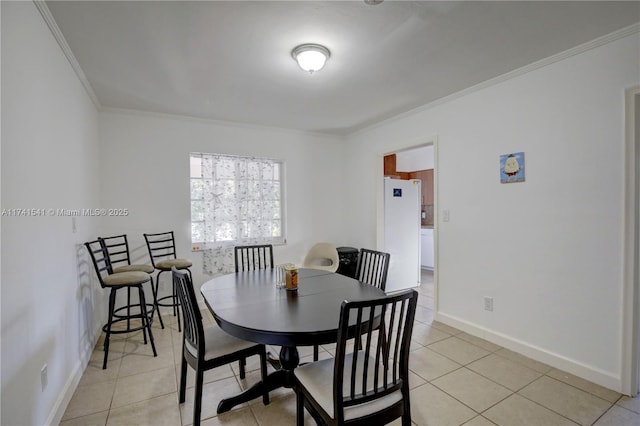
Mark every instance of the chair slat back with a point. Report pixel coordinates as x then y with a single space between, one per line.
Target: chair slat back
380 366
249 258
118 249
161 246
193 328
100 259
372 268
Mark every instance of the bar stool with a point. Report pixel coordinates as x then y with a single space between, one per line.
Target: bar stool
120 260
162 252
114 282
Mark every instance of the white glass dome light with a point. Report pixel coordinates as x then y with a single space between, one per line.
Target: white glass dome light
311 57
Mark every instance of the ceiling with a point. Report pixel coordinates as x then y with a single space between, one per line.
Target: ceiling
231 60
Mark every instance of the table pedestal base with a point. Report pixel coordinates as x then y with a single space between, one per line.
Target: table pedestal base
282 377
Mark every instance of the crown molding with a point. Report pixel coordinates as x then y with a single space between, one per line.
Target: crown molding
217 122
62 42
600 41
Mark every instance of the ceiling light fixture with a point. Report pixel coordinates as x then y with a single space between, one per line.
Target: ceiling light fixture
311 57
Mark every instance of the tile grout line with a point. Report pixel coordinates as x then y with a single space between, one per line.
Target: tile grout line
478 413
582 390
552 410
546 408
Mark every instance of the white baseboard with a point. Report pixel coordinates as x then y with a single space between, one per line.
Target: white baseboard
60 406
560 362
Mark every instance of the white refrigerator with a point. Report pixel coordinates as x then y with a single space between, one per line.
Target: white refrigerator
402 232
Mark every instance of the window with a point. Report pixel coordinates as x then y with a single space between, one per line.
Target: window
236 200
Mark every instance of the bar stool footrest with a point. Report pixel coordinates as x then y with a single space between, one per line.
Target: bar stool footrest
129 329
170 305
150 310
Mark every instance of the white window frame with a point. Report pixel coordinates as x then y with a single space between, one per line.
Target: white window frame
212 243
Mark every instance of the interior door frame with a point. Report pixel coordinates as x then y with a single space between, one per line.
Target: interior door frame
379 174
631 230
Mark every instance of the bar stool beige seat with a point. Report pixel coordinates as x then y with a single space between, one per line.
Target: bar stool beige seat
117 281
162 251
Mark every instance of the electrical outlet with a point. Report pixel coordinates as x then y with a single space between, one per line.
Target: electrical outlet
445 215
43 377
488 304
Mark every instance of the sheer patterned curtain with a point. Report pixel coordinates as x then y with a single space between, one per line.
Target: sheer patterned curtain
234 201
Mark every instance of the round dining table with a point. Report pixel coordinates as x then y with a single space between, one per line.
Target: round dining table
249 305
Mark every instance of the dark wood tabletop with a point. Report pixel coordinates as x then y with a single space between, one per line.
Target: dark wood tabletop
248 305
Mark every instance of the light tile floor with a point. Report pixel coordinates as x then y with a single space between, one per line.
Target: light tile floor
456 379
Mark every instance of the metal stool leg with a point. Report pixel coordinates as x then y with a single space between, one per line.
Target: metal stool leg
112 303
155 297
144 317
176 305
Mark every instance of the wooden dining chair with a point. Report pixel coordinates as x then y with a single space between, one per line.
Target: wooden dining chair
252 257
163 255
372 268
369 385
207 348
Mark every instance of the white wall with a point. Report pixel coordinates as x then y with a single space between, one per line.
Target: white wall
145 168
415 159
549 250
51 309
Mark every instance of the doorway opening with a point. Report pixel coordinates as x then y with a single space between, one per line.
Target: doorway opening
636 216
418 162
631 324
